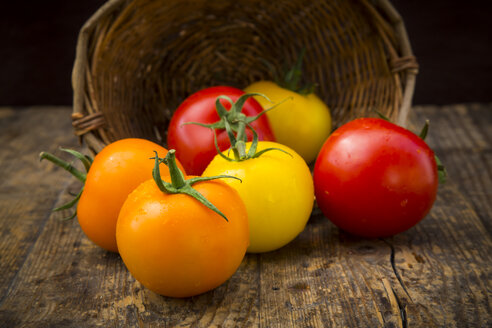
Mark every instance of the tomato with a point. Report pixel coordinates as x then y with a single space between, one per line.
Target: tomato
177 247
118 169
302 122
375 179
277 189
195 144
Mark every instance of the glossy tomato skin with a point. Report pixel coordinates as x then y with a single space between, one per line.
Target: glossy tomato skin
177 247
277 189
375 179
301 122
195 144
118 169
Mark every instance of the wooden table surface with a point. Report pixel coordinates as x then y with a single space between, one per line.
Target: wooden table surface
437 274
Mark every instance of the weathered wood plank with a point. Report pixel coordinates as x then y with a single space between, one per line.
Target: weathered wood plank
437 274
461 135
68 281
28 190
444 264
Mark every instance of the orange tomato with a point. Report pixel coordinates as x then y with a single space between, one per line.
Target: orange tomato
118 169
177 247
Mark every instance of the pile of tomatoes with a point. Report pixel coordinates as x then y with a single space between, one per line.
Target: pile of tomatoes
236 179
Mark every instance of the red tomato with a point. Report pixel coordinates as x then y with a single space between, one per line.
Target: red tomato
195 144
373 178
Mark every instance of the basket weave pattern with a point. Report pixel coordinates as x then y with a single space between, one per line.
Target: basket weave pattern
138 60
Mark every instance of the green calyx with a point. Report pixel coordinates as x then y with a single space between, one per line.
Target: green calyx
441 170
293 76
180 185
235 123
238 145
234 117
81 176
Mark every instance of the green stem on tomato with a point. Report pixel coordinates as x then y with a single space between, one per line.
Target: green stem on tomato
292 78
81 176
235 123
441 169
425 129
240 146
177 177
179 185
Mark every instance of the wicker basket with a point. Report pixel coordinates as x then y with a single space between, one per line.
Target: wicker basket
137 60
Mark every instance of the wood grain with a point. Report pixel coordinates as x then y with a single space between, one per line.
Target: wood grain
437 274
27 190
462 138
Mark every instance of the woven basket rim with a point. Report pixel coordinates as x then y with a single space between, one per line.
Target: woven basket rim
383 12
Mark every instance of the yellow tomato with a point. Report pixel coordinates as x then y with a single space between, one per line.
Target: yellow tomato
302 122
277 189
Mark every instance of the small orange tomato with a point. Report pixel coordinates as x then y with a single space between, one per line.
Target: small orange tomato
176 246
115 171
118 169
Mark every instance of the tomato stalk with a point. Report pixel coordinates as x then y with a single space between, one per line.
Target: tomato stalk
81 176
234 121
239 141
292 78
234 117
238 146
441 169
180 185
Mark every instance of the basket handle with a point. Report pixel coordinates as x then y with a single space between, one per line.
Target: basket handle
81 64
400 62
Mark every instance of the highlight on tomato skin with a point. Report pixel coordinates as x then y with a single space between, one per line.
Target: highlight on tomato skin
375 179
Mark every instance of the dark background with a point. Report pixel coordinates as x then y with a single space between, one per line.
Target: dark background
451 40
